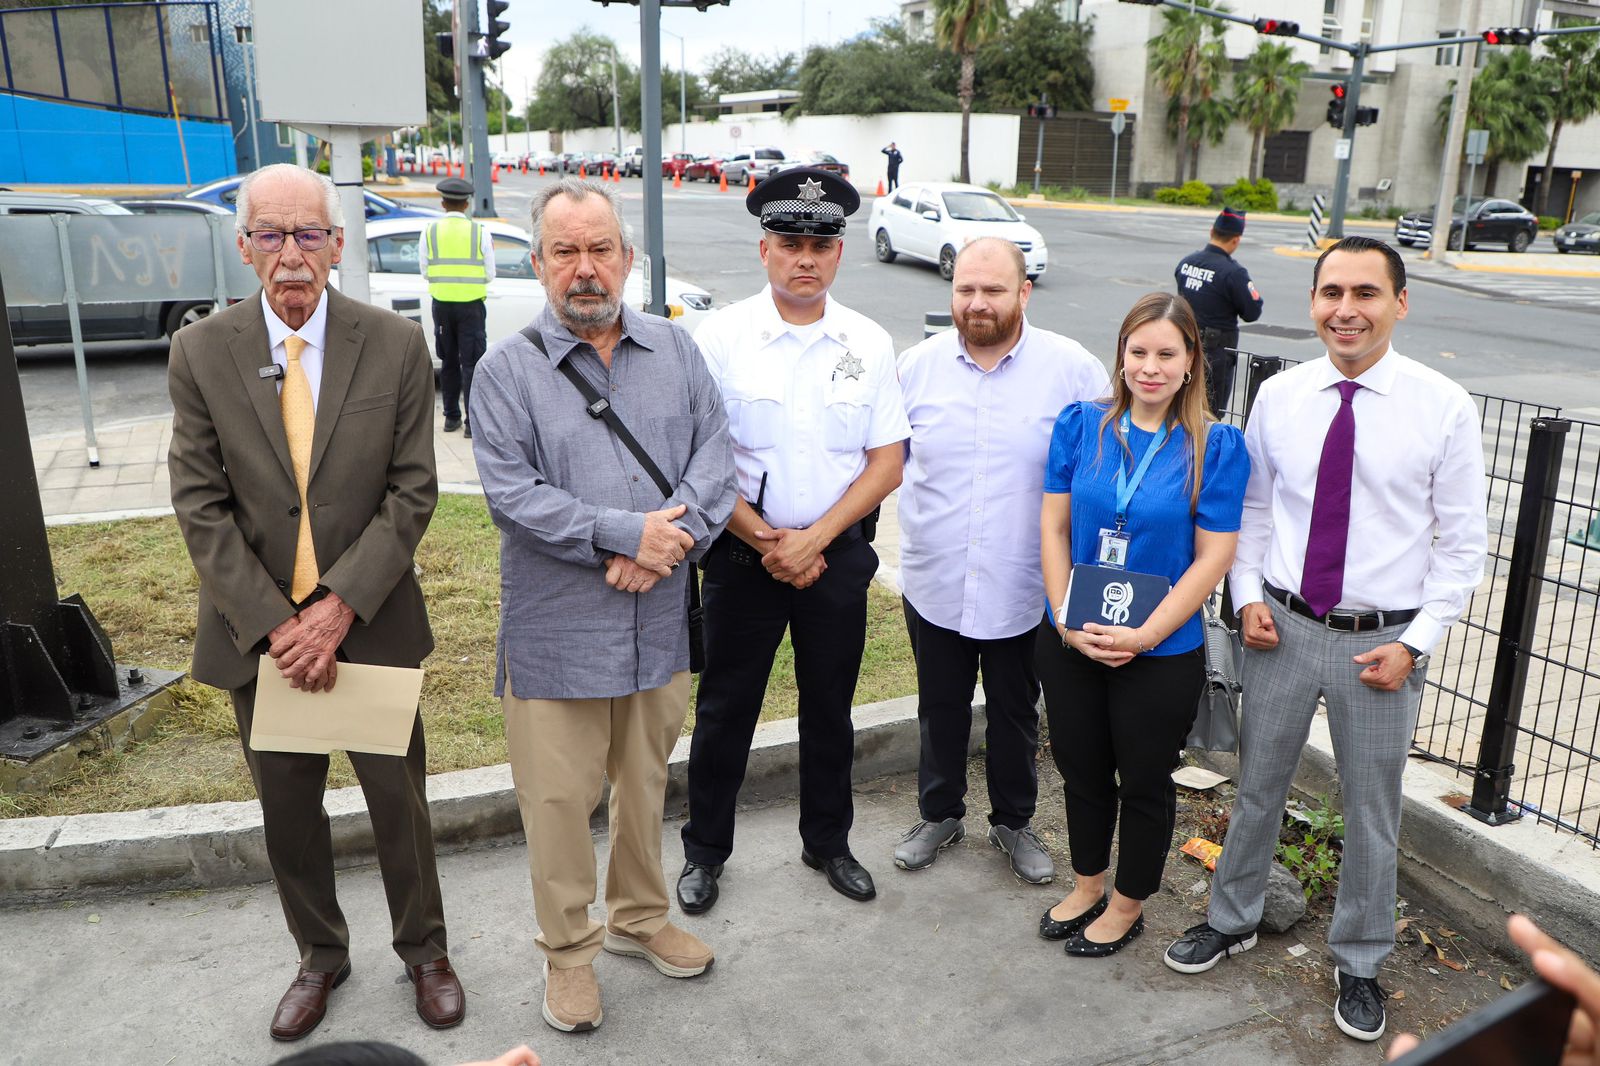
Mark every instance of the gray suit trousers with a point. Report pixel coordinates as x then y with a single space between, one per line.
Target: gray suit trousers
1371 732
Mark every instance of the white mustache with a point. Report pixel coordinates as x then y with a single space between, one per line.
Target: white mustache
283 276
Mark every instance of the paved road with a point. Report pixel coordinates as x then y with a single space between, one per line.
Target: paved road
1530 338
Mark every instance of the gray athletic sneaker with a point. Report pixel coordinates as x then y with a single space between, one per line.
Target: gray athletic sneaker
1029 860
922 844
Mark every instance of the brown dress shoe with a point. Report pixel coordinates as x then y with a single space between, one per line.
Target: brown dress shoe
440 1001
302 1007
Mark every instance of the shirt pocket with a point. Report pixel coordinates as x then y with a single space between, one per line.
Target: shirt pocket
755 415
846 418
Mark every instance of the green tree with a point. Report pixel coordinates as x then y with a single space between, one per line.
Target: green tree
574 90
1209 120
1511 98
439 73
1574 75
881 71
732 71
1040 55
1265 92
631 90
1189 62
964 26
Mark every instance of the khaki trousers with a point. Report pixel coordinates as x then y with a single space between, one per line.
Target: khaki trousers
561 751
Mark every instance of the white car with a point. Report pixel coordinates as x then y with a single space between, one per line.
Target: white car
515 295
934 220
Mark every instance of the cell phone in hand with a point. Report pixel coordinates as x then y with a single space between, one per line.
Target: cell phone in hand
1525 1027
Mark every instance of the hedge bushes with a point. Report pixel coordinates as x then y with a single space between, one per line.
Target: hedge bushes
1190 193
1260 196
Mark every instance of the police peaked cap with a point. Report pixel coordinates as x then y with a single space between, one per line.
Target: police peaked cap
455 189
805 200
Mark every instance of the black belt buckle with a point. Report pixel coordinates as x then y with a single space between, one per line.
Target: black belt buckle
1346 622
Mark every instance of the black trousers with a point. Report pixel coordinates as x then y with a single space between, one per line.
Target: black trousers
894 179
947 670
1116 733
1220 363
299 841
746 614
459 338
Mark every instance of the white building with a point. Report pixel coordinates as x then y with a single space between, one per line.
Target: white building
918 14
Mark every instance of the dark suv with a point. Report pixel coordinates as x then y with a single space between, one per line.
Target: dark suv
1489 221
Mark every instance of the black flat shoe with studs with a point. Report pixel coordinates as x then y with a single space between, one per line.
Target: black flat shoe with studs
1054 929
1084 948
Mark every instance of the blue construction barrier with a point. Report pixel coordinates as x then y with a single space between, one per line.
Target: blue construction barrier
46 141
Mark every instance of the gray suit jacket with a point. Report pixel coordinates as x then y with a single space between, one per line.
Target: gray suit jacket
372 487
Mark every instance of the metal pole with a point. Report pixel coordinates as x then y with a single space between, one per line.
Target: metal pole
172 95
1450 166
616 108
344 167
1116 142
1491 787
78 358
683 104
474 115
527 124
1341 180
655 265
1038 154
250 97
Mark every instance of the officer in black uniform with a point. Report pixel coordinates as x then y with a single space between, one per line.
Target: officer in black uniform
1221 293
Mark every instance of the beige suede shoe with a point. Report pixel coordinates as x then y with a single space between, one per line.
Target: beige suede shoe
671 950
571 998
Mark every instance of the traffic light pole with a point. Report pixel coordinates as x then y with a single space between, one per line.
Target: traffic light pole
1341 176
474 113
655 265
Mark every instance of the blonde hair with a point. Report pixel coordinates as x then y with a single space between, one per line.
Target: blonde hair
1189 407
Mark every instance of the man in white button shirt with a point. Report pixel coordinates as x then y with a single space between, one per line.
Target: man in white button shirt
982 399
1364 536
818 428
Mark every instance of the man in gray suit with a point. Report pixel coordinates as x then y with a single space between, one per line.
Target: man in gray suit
1363 538
303 477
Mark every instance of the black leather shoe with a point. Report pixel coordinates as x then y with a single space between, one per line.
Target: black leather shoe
697 887
848 877
1051 929
451 424
1081 946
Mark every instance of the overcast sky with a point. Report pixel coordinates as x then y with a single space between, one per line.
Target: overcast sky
760 27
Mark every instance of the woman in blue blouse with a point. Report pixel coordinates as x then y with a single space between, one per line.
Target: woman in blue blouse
1120 700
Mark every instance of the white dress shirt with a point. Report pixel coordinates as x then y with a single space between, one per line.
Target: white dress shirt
974 477
804 403
314 333
1418 528
485 239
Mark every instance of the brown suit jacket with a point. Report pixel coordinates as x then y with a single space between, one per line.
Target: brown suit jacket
372 489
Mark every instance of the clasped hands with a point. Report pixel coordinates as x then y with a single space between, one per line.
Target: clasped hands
1112 645
1385 667
795 556
662 546
305 647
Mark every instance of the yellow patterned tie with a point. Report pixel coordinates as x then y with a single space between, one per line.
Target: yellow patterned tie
299 423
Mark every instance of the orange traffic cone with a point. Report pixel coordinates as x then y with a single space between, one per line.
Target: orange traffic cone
616 175
880 186
751 184
677 179
494 175
722 183
541 170
583 172
463 168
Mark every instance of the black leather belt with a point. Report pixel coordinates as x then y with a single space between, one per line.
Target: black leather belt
1343 621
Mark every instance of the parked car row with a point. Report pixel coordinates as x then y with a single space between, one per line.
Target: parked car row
1473 222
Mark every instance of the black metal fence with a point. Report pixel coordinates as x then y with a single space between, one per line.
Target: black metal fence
1512 702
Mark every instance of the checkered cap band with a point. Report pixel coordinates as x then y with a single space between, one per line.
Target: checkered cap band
823 210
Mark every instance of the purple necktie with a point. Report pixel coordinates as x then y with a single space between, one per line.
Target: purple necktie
1322 583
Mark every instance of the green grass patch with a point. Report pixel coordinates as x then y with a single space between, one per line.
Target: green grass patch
135 576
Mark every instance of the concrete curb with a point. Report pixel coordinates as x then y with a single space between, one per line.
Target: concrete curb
214 844
1454 864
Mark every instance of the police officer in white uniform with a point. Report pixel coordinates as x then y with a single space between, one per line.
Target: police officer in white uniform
818 428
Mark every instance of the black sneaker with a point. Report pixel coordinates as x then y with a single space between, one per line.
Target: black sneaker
1359 1011
1202 947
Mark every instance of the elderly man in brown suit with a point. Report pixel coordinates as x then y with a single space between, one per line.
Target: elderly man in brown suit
303 477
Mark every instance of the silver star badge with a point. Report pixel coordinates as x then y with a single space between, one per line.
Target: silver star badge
850 366
811 190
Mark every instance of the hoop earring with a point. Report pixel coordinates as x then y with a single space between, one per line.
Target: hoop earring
1188 376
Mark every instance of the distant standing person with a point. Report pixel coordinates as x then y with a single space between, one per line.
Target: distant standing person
456 255
895 159
1221 293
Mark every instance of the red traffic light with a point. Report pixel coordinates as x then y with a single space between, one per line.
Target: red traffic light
1338 90
1509 35
1277 27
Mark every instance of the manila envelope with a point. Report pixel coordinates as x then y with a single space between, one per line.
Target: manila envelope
370 708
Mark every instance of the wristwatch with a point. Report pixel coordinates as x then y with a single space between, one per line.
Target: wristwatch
1419 659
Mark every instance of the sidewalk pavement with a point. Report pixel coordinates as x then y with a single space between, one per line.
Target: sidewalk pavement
946 965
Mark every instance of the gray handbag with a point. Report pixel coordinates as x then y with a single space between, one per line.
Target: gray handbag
1216 720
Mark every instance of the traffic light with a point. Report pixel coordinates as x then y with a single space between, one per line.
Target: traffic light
1277 27
1509 35
446 43
1366 116
1336 105
495 47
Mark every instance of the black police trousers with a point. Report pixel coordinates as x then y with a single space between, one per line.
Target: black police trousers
947 671
746 613
459 339
1221 360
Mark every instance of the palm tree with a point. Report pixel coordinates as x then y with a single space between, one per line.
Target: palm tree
1570 63
963 26
1188 61
1209 120
1511 98
1266 90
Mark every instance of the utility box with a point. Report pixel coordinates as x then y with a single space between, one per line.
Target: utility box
340 62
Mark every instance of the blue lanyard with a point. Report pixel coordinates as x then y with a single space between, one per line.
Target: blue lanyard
1126 487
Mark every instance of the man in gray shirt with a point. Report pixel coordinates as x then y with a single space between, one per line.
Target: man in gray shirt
593 651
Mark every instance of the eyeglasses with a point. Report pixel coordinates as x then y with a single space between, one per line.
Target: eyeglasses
271 240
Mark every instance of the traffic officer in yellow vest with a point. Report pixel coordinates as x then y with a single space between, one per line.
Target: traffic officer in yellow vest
457 258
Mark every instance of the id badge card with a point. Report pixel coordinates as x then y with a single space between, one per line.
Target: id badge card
1113 549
